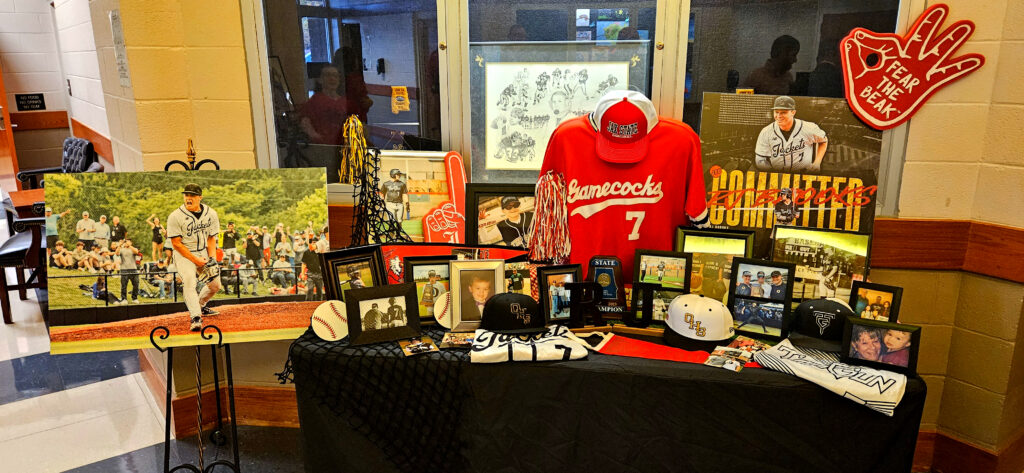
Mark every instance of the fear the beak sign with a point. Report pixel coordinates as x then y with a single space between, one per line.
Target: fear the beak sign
888 77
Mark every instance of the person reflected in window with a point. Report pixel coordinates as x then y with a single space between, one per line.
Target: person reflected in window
775 77
826 80
517 33
323 116
348 62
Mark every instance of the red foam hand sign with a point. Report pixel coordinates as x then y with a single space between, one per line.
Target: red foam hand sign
888 77
447 222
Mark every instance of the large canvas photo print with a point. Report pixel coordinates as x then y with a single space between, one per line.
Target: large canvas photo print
134 251
779 160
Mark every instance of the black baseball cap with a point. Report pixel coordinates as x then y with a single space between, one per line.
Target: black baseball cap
513 313
193 189
507 201
818 324
783 102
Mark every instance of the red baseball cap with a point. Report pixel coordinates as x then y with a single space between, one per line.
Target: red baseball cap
623 119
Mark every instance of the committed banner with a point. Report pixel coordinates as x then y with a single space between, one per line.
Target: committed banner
821 172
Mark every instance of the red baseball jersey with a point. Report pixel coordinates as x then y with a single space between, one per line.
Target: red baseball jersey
616 208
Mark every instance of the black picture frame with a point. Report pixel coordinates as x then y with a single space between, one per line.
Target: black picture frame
687 267
359 335
759 302
411 262
635 315
777 255
846 354
543 272
333 261
707 266
894 303
747 236
474 193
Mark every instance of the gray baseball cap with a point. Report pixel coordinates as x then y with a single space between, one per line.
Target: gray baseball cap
784 102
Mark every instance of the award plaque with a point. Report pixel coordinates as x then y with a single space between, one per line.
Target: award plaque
606 271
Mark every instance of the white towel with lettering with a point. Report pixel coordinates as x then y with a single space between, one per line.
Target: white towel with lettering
552 345
877 389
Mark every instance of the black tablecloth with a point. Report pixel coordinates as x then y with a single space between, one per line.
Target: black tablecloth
372 409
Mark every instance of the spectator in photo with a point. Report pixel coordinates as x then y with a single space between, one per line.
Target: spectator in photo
229 277
283 275
99 291
299 247
158 235
250 275
102 235
118 231
284 248
51 229
168 249
253 247
85 228
323 245
230 243
775 77
314 276
268 246
61 257
102 259
81 258
129 270
157 275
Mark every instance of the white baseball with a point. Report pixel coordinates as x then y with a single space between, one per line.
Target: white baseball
443 310
329 321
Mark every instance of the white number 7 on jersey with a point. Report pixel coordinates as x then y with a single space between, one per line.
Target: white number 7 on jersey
639 217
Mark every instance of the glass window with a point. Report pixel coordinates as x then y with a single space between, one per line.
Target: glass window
534 65
774 47
330 59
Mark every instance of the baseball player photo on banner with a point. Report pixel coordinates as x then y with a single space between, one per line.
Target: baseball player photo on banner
779 160
185 250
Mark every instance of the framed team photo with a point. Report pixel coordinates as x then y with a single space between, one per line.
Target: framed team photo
827 262
382 313
554 296
711 253
115 273
472 283
883 345
352 268
876 301
760 297
499 214
668 268
430 273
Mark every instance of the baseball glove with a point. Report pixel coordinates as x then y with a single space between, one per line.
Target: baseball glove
209 272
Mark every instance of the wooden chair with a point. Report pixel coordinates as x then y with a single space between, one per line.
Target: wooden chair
78 156
25 250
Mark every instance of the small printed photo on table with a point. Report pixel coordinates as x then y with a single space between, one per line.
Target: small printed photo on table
876 301
417 346
457 340
382 313
883 345
763 281
668 269
759 317
499 214
827 262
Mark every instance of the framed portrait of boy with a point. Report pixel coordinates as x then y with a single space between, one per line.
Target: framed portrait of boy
760 297
352 268
883 345
430 273
711 253
382 313
876 301
670 269
827 261
499 214
554 296
472 283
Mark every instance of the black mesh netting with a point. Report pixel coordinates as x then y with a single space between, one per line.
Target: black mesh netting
368 386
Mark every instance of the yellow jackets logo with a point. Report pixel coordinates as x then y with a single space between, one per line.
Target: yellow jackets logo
613 193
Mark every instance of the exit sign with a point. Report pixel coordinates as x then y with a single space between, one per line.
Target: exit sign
27 102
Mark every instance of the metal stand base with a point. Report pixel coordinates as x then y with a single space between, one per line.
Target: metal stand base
217 437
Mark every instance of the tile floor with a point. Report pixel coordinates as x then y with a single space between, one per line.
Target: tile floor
92 412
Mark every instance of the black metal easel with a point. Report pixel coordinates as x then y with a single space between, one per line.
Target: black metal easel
217 437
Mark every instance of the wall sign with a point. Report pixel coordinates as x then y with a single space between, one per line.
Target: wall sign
27 102
888 77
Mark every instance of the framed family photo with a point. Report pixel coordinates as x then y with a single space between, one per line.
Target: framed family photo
554 296
876 301
352 268
760 297
499 214
668 268
472 283
430 273
382 314
711 257
883 345
827 262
